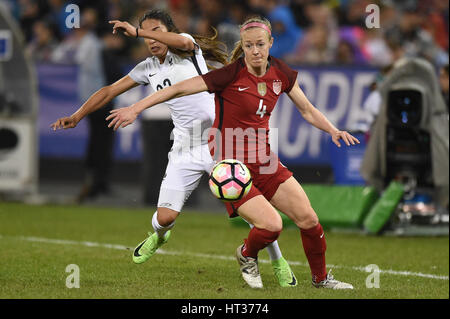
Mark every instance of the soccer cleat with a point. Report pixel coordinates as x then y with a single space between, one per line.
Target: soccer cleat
147 248
331 283
249 269
283 272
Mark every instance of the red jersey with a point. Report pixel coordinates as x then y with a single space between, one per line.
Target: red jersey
244 103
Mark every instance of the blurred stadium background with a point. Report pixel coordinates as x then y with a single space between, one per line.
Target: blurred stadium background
341 62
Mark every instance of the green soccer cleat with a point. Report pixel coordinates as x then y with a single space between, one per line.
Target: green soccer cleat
283 272
147 248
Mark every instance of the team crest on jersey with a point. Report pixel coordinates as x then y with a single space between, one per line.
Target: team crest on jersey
277 86
262 88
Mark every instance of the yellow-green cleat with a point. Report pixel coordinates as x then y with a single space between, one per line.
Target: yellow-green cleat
283 272
147 248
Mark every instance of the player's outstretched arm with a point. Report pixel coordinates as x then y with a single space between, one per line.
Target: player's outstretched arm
125 116
95 102
317 119
171 39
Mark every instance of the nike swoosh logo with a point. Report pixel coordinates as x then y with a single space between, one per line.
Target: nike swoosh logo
150 75
136 250
242 89
321 235
294 281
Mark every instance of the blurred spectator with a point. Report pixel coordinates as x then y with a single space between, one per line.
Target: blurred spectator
284 29
350 43
436 22
298 9
84 48
64 52
320 40
57 16
203 16
138 53
87 54
318 13
353 12
29 13
181 15
416 41
376 48
345 53
443 81
407 28
315 48
212 10
397 51
117 9
229 32
389 15
113 53
372 104
92 77
257 7
43 42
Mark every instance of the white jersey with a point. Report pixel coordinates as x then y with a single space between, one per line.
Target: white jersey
191 114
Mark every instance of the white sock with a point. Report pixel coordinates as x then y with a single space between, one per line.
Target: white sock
272 249
160 230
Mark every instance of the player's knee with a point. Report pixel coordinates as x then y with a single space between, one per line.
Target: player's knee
307 221
274 224
166 217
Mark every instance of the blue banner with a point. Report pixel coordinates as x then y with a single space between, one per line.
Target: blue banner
58 98
338 92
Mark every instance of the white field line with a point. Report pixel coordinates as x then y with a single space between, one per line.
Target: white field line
165 252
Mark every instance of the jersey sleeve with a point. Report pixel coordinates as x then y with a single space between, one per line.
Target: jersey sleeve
292 77
196 46
217 80
139 73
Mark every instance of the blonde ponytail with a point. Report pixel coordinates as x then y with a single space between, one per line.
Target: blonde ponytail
237 51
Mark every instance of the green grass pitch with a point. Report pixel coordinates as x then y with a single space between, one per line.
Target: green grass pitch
37 243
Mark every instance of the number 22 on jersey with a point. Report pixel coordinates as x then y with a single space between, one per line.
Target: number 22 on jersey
261 108
166 83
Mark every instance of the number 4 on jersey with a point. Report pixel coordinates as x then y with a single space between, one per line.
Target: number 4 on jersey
261 108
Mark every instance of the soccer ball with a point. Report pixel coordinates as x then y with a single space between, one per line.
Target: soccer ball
230 180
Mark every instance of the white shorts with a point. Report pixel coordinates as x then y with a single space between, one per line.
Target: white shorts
183 173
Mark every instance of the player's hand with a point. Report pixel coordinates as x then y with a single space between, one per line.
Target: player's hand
127 28
65 123
122 117
345 136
